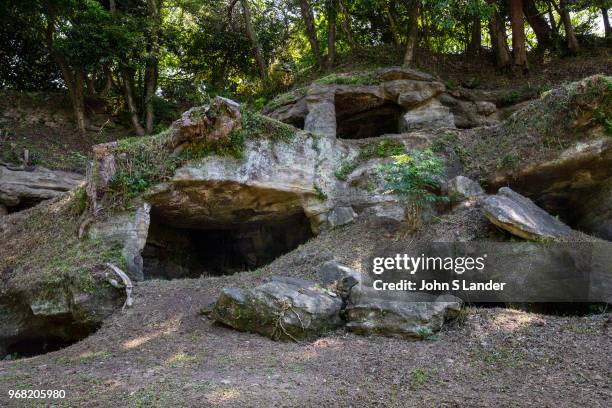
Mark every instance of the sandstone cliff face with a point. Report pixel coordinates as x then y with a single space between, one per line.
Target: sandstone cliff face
387 101
270 183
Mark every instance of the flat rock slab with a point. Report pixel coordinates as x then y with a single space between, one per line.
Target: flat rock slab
521 217
34 185
283 309
401 318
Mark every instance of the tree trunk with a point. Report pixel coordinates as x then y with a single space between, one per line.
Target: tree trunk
346 26
476 37
311 31
606 21
74 83
128 79
519 51
392 24
332 13
497 31
152 63
79 99
538 23
248 24
553 22
109 84
413 33
91 85
570 38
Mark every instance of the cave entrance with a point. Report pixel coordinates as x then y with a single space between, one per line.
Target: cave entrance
24 204
360 119
173 252
37 346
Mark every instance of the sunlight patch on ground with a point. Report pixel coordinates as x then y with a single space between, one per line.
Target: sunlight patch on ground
166 328
512 320
223 395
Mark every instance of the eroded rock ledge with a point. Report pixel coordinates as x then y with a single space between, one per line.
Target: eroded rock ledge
21 188
387 101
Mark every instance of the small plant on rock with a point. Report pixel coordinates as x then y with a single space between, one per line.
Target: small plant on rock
416 178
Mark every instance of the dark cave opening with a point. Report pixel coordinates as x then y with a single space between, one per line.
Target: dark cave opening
37 346
298 122
382 118
175 252
24 204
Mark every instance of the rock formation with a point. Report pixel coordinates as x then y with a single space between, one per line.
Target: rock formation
24 187
387 101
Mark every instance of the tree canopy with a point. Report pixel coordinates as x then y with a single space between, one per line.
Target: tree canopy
149 54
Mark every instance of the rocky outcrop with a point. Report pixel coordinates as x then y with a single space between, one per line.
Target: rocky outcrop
575 184
394 100
521 217
22 188
461 188
58 311
290 308
275 182
415 318
283 309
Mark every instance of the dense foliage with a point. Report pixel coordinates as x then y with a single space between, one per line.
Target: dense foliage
155 57
416 178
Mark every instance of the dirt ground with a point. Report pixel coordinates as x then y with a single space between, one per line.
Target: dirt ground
163 352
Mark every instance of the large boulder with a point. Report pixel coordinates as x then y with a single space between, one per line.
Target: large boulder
398 314
22 188
401 317
431 115
283 309
521 217
461 188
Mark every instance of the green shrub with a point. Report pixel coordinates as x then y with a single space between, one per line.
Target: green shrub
416 177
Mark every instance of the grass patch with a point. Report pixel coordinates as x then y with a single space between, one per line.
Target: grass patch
43 253
355 78
286 98
539 131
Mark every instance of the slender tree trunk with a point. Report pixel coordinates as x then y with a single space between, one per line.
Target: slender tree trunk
332 13
74 83
413 33
248 24
519 51
109 84
389 11
79 98
553 22
570 38
538 23
311 31
476 37
606 21
91 84
497 31
152 63
346 26
128 88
